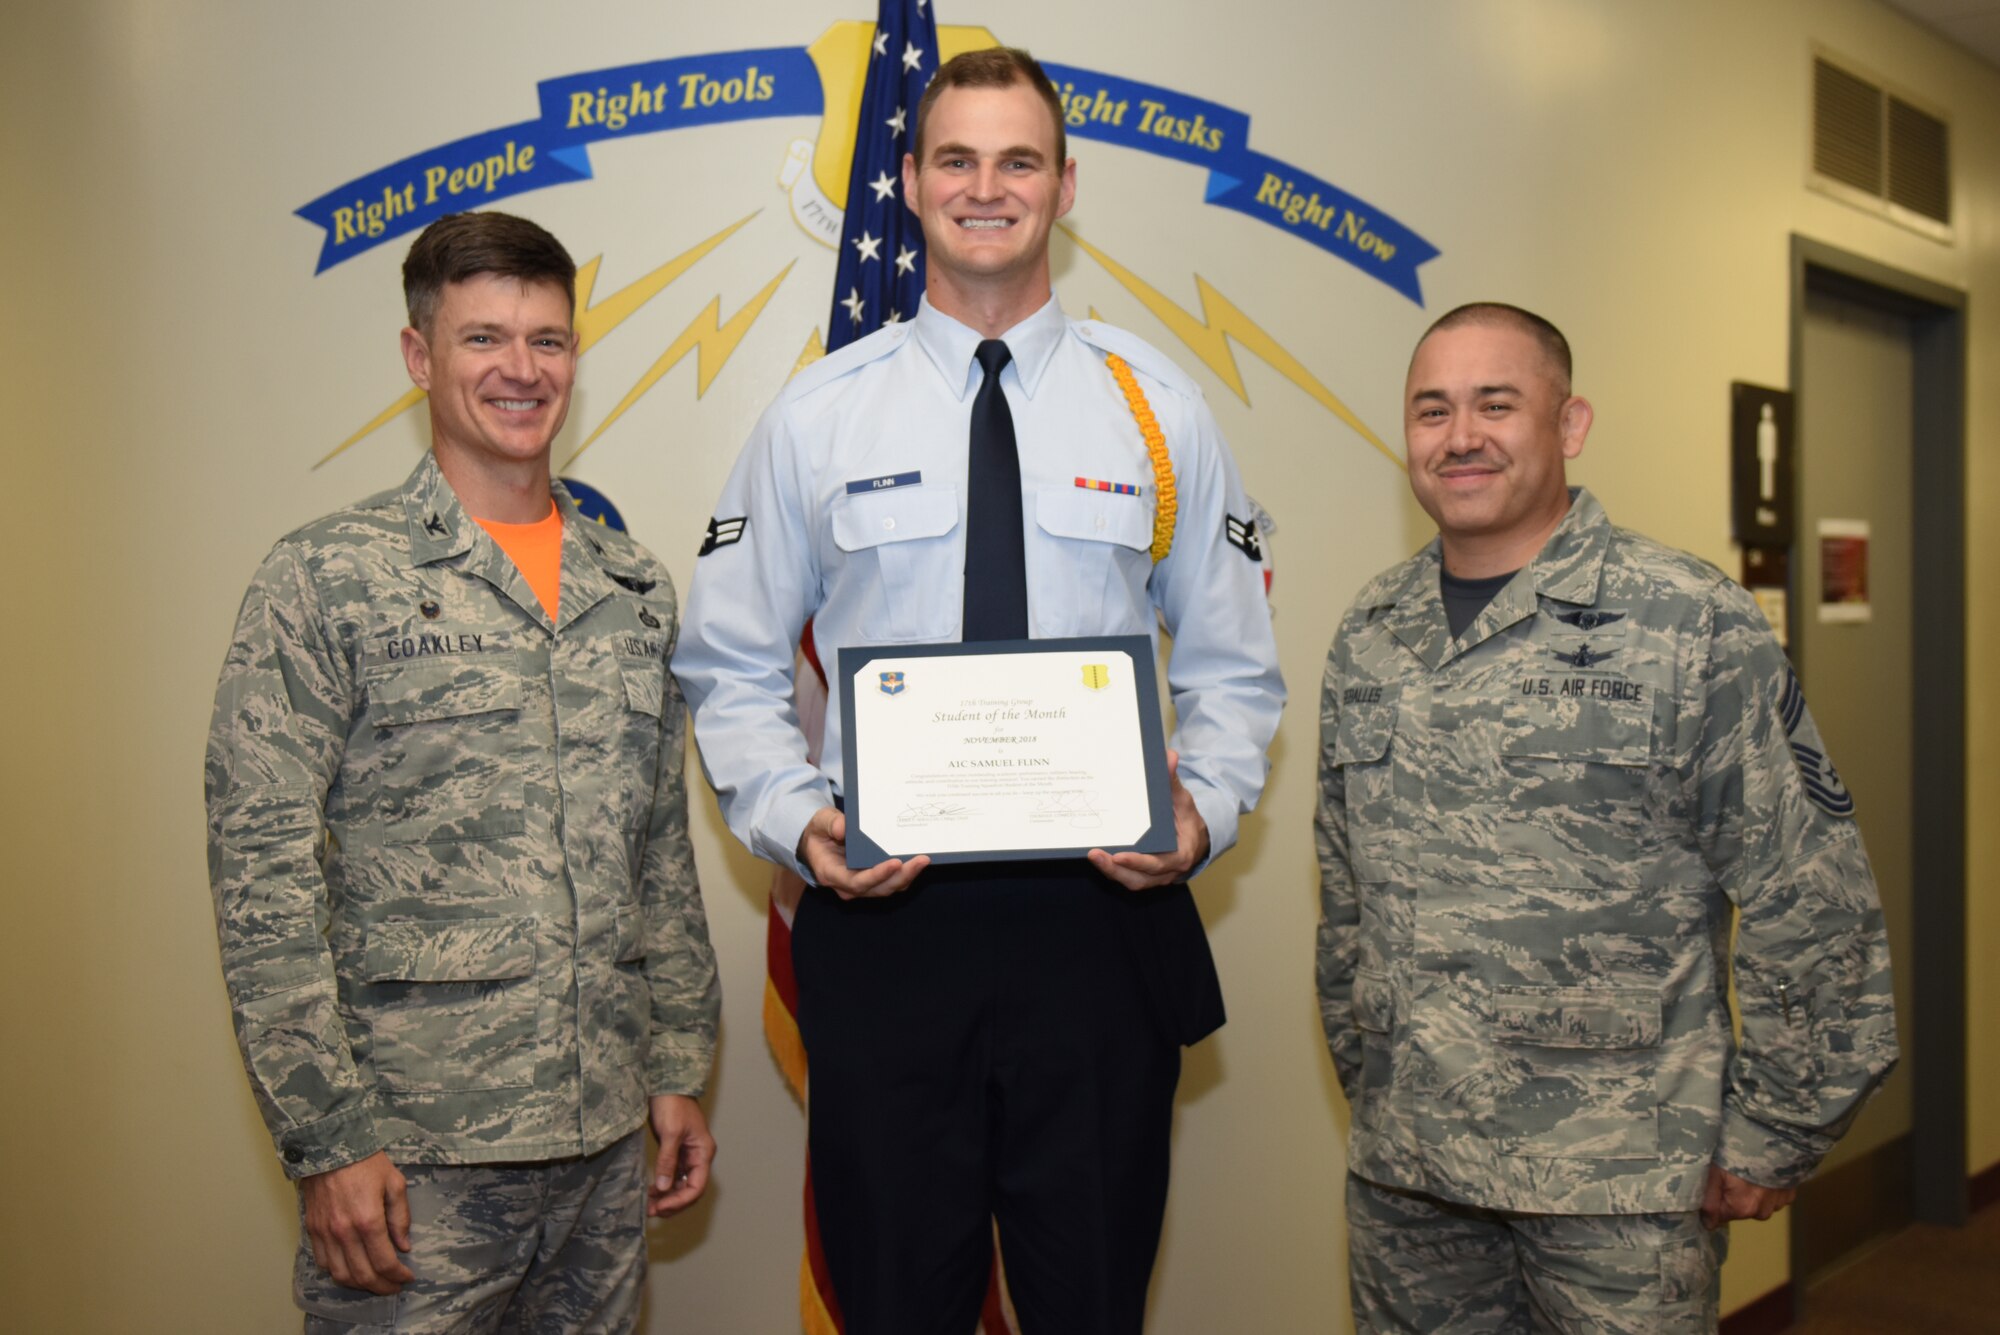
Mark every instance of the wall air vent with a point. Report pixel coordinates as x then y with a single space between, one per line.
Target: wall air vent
1875 149
1847 128
1919 161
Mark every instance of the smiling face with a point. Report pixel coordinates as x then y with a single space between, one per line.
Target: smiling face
987 193
1489 422
498 361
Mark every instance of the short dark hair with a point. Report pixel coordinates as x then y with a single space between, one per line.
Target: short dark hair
459 246
1554 346
992 67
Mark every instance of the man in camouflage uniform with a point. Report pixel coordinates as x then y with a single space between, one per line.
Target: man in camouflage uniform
1557 760
447 835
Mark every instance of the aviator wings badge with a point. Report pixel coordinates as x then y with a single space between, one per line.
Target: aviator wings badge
1589 618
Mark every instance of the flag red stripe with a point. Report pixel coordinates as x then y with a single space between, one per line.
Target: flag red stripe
811 651
778 959
992 1319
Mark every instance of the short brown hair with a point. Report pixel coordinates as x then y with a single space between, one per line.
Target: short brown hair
1554 346
459 246
992 67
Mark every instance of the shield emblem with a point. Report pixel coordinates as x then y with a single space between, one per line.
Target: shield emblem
1096 675
892 682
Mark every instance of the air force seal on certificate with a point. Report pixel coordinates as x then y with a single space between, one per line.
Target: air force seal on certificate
1096 676
892 683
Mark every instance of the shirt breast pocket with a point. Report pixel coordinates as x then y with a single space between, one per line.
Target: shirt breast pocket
645 685
1091 562
1574 780
1362 751
445 749
904 538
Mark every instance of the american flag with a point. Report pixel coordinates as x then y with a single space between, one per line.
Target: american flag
881 270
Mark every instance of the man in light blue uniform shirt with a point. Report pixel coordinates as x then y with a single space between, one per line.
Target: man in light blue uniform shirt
994 1041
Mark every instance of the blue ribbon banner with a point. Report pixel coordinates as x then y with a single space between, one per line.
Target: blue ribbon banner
578 110
1191 129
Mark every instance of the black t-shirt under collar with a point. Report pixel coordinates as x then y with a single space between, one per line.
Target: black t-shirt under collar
1465 599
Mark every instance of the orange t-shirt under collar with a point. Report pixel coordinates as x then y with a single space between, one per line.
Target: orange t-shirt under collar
536 550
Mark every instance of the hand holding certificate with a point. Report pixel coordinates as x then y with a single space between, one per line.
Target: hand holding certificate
1003 751
1144 871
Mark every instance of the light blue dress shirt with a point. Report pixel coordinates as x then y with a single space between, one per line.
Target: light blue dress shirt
851 497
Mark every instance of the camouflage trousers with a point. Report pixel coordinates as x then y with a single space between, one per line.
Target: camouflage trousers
1419 1264
543 1247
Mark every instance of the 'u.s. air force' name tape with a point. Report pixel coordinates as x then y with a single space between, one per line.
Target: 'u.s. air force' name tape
578 110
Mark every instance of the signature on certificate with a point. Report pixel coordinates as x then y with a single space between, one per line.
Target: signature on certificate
1073 805
923 813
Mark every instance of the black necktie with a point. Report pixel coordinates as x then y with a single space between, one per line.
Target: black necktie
996 572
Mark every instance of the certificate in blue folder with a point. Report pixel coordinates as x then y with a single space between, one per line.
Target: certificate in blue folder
1003 750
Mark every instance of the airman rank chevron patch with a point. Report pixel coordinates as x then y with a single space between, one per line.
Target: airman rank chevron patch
723 532
1242 535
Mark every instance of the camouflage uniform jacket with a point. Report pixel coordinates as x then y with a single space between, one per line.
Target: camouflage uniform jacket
1530 843
448 842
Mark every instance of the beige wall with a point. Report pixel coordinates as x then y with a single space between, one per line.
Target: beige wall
1635 171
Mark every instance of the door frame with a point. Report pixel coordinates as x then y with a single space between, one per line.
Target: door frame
1937 1031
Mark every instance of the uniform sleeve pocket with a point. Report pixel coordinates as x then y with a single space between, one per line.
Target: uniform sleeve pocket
1094 516
444 688
1577 1017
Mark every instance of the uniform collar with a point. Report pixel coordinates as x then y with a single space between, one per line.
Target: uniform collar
1571 562
1568 568
441 531
588 575
439 526
950 345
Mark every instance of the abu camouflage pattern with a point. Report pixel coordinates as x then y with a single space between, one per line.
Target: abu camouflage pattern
556 1246
1530 844
448 842
1420 1264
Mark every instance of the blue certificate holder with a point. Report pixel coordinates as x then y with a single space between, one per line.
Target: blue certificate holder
1003 750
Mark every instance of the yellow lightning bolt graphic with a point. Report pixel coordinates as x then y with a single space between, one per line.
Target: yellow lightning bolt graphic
592 322
1208 338
712 341
411 398
810 353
